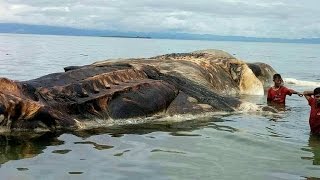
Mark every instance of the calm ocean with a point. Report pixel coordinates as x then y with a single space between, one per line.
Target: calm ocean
244 146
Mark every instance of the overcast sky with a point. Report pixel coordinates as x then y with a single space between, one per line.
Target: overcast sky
255 18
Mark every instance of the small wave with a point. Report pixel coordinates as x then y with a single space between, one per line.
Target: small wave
301 83
248 107
91 123
98 123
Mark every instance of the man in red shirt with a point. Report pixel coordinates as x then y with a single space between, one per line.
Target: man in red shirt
313 98
277 93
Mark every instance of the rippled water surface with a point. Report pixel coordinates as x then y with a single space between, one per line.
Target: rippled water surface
252 145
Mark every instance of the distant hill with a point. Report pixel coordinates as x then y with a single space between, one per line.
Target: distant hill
56 30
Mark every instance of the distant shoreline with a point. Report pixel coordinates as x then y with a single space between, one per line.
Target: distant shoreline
141 37
16 28
225 39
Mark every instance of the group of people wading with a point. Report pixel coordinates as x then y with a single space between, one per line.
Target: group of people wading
277 97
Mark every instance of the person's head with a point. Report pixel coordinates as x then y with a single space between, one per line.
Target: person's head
277 80
316 92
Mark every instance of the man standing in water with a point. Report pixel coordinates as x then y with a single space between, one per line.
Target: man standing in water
277 93
313 98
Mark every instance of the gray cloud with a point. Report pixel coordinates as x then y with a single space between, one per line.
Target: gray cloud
260 18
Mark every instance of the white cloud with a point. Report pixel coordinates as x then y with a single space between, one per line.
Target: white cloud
260 18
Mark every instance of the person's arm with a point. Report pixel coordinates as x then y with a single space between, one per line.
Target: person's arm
308 94
295 92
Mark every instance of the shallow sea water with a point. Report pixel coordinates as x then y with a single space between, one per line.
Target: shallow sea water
243 145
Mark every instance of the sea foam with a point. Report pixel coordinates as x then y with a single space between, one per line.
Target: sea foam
301 83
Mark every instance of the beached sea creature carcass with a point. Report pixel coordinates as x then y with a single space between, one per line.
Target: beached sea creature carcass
169 84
